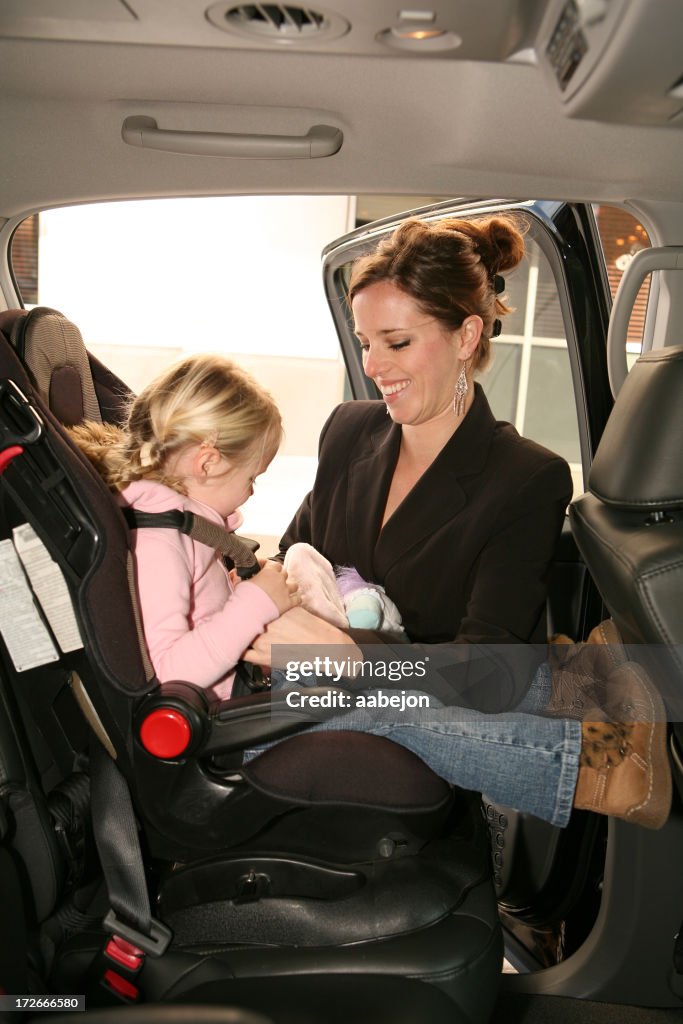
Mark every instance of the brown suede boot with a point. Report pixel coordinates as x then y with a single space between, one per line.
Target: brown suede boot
579 670
624 768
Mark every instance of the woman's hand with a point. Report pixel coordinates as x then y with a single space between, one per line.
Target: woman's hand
298 627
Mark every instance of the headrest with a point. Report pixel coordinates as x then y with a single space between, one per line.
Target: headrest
54 352
638 464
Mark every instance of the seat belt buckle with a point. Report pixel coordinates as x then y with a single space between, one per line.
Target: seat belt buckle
117 968
154 944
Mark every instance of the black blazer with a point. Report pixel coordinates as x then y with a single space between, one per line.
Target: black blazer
464 556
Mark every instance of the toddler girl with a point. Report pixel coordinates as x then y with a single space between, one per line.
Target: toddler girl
194 440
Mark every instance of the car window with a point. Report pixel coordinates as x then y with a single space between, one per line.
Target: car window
622 236
529 382
149 282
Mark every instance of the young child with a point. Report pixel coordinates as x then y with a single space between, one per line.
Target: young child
195 439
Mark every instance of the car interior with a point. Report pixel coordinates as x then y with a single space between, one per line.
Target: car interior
163 167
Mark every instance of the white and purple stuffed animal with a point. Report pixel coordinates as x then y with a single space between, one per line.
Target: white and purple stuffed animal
339 596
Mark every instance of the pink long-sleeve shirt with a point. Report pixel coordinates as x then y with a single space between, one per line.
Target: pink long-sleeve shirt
196 623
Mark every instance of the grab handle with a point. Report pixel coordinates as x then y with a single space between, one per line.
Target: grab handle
665 257
320 140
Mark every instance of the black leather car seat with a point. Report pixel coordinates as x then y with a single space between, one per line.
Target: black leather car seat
629 529
629 526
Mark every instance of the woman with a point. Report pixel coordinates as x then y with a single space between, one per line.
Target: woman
457 516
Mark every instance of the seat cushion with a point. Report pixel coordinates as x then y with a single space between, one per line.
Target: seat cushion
380 773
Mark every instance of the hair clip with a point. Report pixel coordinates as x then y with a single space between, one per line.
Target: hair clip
145 454
497 328
498 284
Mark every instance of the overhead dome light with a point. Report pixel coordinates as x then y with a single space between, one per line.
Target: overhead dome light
416 30
417 34
419 38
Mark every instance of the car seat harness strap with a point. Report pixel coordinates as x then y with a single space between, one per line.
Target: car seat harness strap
239 553
240 550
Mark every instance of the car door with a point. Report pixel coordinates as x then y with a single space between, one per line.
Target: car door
548 377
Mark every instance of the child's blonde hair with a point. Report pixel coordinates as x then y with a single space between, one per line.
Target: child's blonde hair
204 399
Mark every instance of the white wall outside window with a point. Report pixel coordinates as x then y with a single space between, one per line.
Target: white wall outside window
149 282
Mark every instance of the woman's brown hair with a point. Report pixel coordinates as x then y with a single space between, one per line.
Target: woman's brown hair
452 268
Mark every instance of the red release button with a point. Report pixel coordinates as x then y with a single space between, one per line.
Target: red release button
8 454
124 953
165 733
120 986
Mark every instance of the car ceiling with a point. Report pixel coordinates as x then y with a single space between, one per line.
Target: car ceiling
483 119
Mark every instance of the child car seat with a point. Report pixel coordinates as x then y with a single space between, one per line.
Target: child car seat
38 903
328 852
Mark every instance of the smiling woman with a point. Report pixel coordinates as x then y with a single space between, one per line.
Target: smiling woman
454 513
425 307
458 517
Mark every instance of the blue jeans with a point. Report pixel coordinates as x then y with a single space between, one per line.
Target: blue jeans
519 758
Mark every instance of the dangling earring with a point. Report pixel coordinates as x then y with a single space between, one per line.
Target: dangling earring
460 393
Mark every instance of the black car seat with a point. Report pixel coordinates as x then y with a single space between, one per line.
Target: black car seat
328 852
629 525
629 529
39 844
33 873
37 904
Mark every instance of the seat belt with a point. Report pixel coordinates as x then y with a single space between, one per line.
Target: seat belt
118 845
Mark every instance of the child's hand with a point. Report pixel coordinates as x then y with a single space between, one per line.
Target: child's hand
273 580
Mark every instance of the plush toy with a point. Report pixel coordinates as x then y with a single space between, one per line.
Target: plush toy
339 596
367 605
